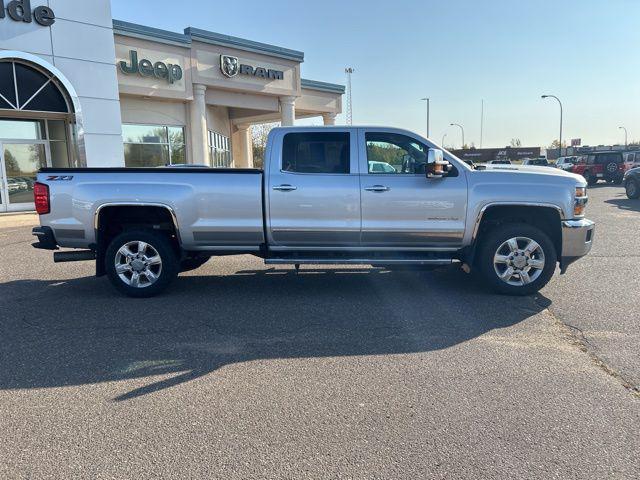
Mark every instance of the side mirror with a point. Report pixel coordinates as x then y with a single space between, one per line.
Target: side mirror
437 166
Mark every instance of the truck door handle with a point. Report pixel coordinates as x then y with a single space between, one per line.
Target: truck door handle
377 188
285 188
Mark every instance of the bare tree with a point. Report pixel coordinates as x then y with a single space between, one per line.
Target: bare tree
515 142
555 143
259 134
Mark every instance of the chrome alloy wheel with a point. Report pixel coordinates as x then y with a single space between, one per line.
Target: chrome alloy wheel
519 261
138 264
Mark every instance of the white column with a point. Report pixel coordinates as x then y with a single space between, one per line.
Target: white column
288 110
329 118
245 147
199 134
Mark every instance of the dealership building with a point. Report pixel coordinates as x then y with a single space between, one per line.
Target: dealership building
78 88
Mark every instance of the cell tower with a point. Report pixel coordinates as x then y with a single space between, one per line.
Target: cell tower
349 71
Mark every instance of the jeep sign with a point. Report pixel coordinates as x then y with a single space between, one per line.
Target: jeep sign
171 73
20 11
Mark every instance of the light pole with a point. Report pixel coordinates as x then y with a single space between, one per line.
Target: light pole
625 136
428 101
443 136
461 129
559 103
349 71
481 120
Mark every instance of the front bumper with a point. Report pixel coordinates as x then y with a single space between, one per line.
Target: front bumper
577 239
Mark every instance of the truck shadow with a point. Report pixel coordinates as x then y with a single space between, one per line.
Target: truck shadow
625 204
77 332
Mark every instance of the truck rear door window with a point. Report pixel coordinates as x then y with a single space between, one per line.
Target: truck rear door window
316 152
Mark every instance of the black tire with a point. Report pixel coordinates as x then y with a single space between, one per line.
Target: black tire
632 188
618 180
192 263
489 245
591 179
611 168
166 273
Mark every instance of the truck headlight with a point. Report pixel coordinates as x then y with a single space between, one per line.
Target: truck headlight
580 202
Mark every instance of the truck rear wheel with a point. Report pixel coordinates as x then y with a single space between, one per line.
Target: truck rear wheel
516 259
141 263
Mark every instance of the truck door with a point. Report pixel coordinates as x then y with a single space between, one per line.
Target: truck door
313 190
401 207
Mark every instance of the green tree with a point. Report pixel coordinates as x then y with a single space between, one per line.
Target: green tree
11 164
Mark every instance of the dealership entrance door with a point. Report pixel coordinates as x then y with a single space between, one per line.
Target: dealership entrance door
36 130
25 147
20 162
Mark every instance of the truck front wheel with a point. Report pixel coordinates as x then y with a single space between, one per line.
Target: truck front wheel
632 188
516 259
141 263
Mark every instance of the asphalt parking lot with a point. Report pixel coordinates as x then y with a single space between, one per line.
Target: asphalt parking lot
244 371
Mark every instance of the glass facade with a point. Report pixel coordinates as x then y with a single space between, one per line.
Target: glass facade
220 150
28 144
22 161
25 87
153 145
25 147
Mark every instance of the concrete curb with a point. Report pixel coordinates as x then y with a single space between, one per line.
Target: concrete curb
18 219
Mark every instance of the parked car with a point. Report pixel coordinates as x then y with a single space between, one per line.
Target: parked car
608 166
13 185
566 163
381 167
631 183
28 181
539 162
503 161
318 203
18 184
632 160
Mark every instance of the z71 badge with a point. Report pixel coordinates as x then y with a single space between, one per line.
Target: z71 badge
59 178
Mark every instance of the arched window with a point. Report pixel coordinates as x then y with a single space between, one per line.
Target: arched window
24 87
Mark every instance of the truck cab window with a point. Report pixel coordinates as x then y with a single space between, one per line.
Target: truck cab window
390 153
316 152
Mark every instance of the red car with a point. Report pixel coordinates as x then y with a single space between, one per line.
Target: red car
596 166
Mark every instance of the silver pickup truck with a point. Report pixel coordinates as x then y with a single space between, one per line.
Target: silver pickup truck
327 195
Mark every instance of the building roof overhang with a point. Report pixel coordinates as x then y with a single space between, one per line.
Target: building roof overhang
322 86
191 35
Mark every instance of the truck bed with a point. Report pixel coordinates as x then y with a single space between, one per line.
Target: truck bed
212 208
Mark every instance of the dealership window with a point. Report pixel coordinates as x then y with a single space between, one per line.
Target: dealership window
153 145
51 133
34 106
220 150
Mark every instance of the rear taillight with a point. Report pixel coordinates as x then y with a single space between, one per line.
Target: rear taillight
41 198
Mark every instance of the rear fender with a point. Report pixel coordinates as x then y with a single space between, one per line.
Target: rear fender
110 218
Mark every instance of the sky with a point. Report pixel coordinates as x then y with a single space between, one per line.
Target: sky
457 53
